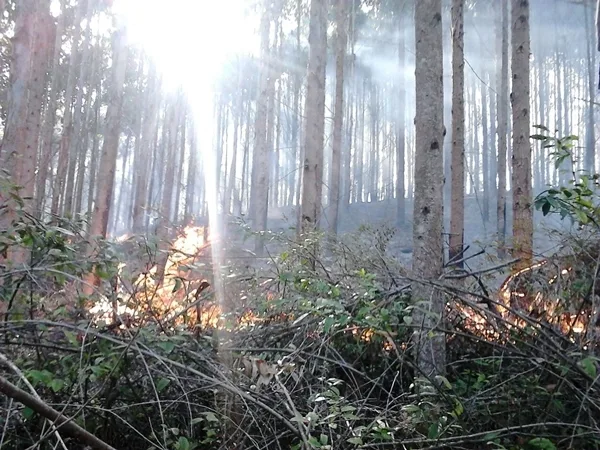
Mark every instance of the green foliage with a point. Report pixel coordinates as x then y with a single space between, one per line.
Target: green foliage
579 199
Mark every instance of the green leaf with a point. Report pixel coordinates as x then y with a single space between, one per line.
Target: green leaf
314 442
27 412
541 127
542 444
183 443
538 137
178 285
211 417
328 323
167 346
56 384
589 367
323 439
355 440
546 208
433 431
162 384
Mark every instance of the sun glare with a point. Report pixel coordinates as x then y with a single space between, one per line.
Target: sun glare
191 42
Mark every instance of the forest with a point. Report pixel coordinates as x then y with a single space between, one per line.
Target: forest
299 224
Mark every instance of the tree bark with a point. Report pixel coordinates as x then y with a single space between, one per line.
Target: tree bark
521 160
312 183
338 118
430 345
259 196
502 129
47 136
110 146
400 127
457 188
64 156
142 164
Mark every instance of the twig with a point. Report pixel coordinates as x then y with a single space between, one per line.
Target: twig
70 427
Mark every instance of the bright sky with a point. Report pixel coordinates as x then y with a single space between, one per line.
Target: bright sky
190 40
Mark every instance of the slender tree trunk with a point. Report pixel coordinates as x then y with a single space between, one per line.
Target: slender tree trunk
40 53
76 158
97 55
457 194
400 127
338 118
110 147
180 164
259 197
117 216
590 129
314 110
191 184
95 149
44 162
485 156
142 164
521 162
64 156
429 171
502 130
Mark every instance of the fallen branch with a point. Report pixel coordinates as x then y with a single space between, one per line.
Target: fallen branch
60 421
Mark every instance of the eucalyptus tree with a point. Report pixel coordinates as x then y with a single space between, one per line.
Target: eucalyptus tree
312 179
429 169
457 212
521 161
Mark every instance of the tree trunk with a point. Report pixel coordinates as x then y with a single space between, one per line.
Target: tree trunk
457 189
400 127
338 118
485 155
502 130
521 161
110 146
47 136
259 197
314 111
64 156
590 129
429 172
141 166
76 158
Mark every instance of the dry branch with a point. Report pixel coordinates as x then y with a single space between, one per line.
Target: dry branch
60 421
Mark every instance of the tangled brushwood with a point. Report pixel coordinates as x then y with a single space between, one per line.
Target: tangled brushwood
288 354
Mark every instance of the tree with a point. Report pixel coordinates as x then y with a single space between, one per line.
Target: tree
429 170
457 198
338 118
110 146
521 160
259 196
401 123
502 130
312 182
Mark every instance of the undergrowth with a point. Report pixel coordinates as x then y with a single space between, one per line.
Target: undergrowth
296 358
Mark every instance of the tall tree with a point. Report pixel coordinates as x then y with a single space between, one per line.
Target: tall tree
16 156
457 196
502 129
259 196
66 152
521 160
312 181
401 122
110 146
338 118
429 173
